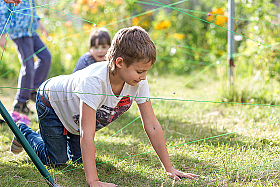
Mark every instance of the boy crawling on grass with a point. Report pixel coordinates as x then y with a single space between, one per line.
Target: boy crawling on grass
71 108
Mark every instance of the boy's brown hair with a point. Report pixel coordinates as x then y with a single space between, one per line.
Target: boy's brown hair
102 35
132 45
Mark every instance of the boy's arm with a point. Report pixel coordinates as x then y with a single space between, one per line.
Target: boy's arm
87 134
155 134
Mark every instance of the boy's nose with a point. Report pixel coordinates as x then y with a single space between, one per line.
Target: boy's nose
143 76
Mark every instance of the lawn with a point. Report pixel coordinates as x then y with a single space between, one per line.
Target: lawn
227 144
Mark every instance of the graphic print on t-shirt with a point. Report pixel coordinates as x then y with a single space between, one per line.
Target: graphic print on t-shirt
106 115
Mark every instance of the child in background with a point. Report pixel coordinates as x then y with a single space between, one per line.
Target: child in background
71 108
99 43
21 25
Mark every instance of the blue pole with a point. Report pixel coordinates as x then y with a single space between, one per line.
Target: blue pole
22 140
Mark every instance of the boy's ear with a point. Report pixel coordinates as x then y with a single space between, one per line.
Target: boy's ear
119 62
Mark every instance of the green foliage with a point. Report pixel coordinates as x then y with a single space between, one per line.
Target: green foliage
188 40
260 52
258 96
9 66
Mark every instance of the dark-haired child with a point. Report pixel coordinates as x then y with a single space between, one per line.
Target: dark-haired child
99 43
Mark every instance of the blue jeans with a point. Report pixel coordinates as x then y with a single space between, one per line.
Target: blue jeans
52 146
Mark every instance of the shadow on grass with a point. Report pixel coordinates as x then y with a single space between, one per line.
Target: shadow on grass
126 169
144 170
18 174
180 135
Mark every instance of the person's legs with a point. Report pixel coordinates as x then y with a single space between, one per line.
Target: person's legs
51 130
51 144
34 139
75 149
43 64
27 73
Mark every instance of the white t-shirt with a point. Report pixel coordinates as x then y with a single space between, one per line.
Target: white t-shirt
92 86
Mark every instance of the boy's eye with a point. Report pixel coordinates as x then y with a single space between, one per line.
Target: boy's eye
139 72
100 47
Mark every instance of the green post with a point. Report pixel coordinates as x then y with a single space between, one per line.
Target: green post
38 163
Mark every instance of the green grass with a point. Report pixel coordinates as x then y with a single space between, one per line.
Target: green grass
226 144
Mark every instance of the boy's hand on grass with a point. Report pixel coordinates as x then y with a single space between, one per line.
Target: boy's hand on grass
177 175
102 184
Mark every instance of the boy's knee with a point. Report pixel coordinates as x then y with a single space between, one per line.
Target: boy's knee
56 162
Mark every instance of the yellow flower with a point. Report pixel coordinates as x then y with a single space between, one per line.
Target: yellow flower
150 12
219 11
87 27
81 2
219 52
94 10
211 17
225 18
146 24
76 8
163 25
135 21
119 2
155 35
92 3
218 22
101 3
85 8
221 20
68 23
70 29
178 36
221 17
101 24
114 20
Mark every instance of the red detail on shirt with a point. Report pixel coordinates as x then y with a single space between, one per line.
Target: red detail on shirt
124 101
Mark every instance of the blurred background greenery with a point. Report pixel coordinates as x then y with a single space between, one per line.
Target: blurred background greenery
190 36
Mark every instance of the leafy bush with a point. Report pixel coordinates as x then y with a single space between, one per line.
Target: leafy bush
188 35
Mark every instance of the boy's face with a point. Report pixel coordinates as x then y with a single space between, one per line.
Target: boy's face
98 51
135 73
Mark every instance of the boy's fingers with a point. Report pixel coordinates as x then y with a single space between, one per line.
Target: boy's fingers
177 175
190 175
174 176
